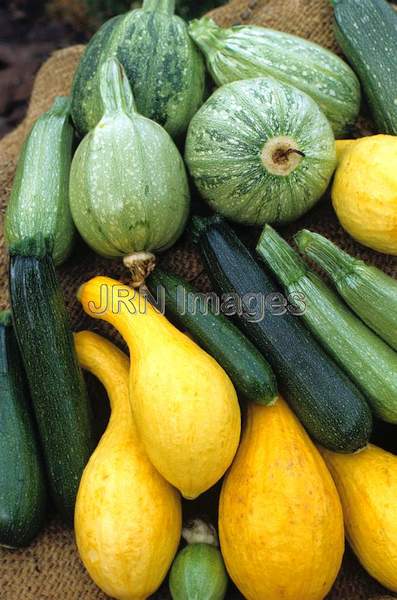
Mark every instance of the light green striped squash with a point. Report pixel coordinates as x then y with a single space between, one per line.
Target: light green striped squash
128 184
39 201
248 51
164 68
260 151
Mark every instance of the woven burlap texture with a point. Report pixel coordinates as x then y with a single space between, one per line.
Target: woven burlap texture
50 568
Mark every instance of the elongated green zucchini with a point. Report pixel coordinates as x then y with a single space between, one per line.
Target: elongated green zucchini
248 51
369 362
249 371
55 380
22 484
366 32
367 290
39 201
330 406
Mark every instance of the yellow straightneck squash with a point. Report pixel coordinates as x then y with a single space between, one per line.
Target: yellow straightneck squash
183 403
364 192
280 518
367 485
127 517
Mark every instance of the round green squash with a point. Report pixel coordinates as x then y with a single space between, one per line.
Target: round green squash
128 187
165 69
198 571
260 151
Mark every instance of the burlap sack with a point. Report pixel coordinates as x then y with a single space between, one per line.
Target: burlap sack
50 569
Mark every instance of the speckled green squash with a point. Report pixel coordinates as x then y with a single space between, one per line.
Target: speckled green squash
39 202
247 51
165 69
260 151
128 185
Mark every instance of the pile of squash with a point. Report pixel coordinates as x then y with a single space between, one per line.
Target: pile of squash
270 385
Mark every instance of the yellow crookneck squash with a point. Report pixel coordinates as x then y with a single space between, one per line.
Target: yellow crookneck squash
364 192
183 403
127 517
280 518
367 486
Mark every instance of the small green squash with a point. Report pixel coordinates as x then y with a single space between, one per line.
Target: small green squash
164 68
129 193
260 151
39 202
248 51
198 572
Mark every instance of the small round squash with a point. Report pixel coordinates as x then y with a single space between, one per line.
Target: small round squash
260 151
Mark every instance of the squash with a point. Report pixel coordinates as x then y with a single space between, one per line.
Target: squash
198 571
128 188
369 362
248 51
39 201
366 32
369 292
367 486
330 406
22 480
56 384
280 518
365 189
184 404
164 68
123 505
260 151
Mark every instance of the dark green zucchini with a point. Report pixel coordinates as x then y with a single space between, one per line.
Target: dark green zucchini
246 367
329 405
56 383
22 484
366 30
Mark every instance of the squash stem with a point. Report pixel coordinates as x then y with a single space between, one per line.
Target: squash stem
199 532
61 106
140 265
207 35
327 255
115 89
280 257
162 6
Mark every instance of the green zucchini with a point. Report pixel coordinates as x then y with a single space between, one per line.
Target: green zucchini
367 290
198 571
56 383
368 361
366 32
163 66
248 51
39 201
200 314
330 406
22 482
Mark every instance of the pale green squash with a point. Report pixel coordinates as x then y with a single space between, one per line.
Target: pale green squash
260 151
165 69
128 186
249 51
198 571
39 201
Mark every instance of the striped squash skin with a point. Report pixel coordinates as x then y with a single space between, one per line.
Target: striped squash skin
366 30
165 69
246 52
226 139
